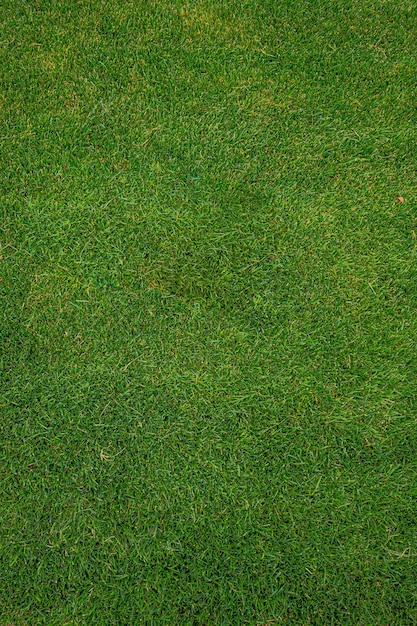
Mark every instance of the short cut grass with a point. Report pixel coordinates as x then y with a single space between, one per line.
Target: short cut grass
208 312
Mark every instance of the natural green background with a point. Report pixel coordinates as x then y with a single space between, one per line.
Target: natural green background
208 312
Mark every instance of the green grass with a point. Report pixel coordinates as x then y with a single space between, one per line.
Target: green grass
208 312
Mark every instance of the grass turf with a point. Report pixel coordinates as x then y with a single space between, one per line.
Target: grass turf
208 312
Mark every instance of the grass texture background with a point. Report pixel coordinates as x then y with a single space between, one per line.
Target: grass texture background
208 312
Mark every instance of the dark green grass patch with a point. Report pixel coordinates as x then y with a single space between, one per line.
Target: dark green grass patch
208 325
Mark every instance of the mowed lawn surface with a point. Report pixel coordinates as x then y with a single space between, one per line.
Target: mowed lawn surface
208 312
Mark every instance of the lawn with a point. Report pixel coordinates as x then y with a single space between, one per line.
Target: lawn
208 298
